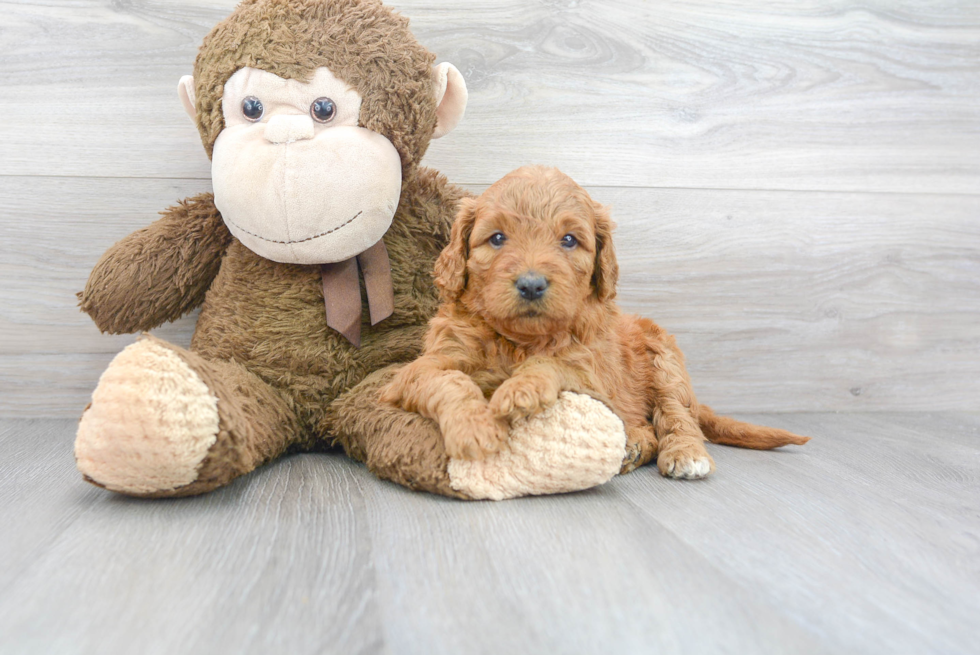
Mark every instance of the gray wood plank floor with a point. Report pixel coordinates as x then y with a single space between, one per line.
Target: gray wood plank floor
867 540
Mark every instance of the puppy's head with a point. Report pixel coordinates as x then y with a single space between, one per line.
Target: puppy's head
530 254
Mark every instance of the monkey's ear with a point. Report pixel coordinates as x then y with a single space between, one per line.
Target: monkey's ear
606 271
450 268
185 89
450 89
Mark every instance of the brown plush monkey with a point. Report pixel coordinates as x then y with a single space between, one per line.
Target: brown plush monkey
316 114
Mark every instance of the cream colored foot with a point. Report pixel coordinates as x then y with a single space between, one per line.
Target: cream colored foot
575 444
151 422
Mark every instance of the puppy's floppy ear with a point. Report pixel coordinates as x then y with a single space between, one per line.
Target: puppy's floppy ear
450 268
606 271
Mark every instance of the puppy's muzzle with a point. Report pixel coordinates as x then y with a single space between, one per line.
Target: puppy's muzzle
531 286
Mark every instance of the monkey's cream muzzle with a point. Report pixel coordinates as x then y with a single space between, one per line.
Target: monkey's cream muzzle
295 190
302 199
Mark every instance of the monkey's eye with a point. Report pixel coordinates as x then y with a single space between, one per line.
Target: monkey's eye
323 110
497 239
252 108
568 241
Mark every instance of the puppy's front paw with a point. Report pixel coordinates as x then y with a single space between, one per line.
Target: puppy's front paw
522 396
686 462
474 434
393 393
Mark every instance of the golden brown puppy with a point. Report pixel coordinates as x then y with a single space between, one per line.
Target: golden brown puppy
527 284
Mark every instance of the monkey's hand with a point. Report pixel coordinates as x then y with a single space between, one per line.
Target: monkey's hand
159 273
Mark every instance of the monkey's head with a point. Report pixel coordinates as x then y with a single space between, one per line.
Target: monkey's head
314 113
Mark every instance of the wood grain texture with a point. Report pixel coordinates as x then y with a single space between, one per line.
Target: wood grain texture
782 301
866 541
530 577
878 505
833 95
810 301
281 563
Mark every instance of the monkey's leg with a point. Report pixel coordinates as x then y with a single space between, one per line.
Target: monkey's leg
165 422
396 445
575 444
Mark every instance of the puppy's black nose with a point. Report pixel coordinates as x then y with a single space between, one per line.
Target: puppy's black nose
531 286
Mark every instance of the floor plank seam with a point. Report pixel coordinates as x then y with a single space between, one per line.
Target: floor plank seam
487 183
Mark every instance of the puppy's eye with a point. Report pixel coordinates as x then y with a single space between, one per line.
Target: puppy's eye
568 241
323 110
252 108
497 239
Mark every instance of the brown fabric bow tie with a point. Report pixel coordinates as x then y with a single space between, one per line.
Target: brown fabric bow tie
342 293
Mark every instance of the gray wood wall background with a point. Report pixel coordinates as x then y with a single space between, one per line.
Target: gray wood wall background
797 183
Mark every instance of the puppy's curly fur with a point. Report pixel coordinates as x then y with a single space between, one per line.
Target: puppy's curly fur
527 285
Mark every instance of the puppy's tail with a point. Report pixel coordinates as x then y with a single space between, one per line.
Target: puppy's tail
728 431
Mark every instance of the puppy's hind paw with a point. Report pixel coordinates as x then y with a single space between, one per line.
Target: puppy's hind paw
685 465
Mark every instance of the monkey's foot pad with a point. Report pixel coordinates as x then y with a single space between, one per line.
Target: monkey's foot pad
151 422
575 444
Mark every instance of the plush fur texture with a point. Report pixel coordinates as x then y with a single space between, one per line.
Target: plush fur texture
282 379
576 443
172 414
159 273
499 350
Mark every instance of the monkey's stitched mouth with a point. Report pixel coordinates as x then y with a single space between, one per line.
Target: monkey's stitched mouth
315 236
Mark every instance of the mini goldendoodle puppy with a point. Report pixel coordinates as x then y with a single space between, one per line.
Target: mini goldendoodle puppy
527 284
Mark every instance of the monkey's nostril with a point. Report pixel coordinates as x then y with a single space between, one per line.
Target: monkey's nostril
531 286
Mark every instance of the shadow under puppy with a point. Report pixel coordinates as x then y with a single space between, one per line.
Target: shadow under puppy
527 285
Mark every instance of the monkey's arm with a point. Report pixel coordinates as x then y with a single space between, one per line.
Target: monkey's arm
158 273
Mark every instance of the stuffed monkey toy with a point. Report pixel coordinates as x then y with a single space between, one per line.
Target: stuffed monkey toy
312 264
